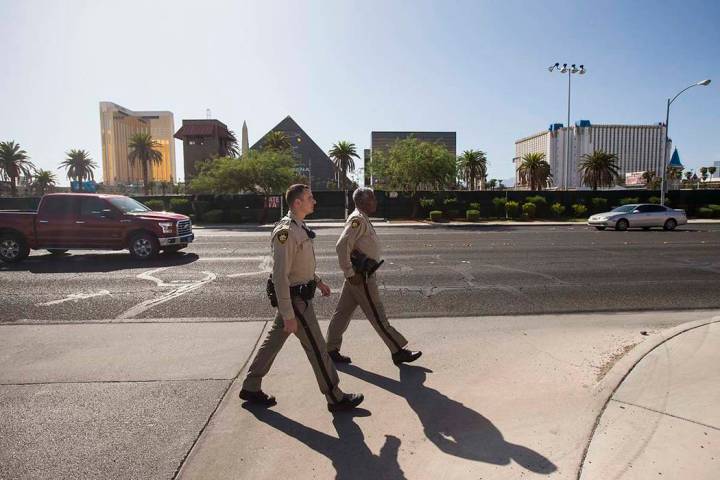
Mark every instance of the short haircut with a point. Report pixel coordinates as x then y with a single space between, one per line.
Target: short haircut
294 192
361 194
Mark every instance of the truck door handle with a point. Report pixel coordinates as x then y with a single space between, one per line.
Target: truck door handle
79 221
42 221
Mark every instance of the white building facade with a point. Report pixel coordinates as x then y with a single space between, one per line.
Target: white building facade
639 148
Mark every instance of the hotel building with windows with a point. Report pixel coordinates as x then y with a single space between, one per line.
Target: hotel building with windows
117 126
639 148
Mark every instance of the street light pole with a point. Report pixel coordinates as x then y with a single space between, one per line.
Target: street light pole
666 156
569 70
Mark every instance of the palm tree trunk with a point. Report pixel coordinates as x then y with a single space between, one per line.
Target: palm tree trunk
13 188
145 178
80 184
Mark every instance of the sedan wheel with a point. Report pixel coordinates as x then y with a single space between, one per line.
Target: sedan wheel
670 224
622 225
144 246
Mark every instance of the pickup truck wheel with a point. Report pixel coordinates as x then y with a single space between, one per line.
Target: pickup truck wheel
13 248
173 248
143 246
57 251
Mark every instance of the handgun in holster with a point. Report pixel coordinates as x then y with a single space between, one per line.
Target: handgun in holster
270 291
363 264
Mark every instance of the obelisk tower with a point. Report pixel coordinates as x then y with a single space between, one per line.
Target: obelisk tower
245 143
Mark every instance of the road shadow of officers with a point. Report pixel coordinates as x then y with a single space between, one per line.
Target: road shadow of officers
352 459
454 428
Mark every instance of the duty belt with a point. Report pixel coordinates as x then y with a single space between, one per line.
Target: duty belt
305 291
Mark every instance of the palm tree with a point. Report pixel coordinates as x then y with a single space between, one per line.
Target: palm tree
229 147
79 166
143 149
535 171
342 154
276 140
704 173
492 183
599 169
472 165
711 171
14 162
43 180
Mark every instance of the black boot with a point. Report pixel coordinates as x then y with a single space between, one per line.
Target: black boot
405 356
348 402
258 398
337 357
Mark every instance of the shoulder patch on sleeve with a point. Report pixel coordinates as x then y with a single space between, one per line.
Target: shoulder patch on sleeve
282 235
355 223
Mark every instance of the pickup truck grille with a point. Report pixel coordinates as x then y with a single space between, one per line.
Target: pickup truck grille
184 227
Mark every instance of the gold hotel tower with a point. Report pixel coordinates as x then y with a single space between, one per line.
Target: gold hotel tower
117 126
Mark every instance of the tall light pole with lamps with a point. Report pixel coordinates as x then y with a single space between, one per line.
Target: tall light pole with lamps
666 157
569 70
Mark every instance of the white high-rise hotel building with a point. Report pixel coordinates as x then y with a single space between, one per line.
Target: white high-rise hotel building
639 148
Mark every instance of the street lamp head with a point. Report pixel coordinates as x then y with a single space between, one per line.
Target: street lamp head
704 82
574 69
582 70
553 67
564 68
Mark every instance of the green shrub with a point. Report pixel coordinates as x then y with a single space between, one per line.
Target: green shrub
715 209
629 200
427 202
156 205
472 215
705 212
599 204
436 215
234 216
200 207
557 209
511 208
450 201
499 203
213 216
475 206
180 205
529 209
579 210
654 200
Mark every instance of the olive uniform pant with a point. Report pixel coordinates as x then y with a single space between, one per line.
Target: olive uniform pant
312 342
367 296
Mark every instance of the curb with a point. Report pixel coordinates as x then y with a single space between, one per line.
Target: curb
624 367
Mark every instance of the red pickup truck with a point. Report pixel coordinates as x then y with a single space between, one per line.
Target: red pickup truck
92 221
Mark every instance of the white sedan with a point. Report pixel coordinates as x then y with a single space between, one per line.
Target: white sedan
640 215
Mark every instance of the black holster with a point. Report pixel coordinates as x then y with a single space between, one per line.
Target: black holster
270 291
363 264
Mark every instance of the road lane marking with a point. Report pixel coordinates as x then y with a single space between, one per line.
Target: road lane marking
75 297
178 290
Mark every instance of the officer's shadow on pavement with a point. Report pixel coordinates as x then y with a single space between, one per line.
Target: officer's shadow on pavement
454 428
351 457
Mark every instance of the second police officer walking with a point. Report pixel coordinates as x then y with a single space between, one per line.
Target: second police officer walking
359 254
295 281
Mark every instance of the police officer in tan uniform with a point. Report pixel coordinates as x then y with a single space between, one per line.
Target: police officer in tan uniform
295 281
360 288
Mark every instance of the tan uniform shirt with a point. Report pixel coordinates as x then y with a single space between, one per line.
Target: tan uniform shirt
293 261
359 234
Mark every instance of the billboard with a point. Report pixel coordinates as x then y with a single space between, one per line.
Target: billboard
634 179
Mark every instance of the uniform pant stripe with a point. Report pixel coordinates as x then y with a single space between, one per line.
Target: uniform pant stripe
316 350
377 317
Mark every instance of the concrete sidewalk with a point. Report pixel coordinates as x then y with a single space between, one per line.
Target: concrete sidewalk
664 419
492 397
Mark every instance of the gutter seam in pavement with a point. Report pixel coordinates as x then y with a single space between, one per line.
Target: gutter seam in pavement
222 397
666 414
116 381
615 389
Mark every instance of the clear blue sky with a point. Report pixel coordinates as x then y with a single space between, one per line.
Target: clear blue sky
344 68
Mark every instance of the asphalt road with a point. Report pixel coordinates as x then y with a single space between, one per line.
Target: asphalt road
428 272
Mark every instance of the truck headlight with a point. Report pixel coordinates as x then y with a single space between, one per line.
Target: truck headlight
167 227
